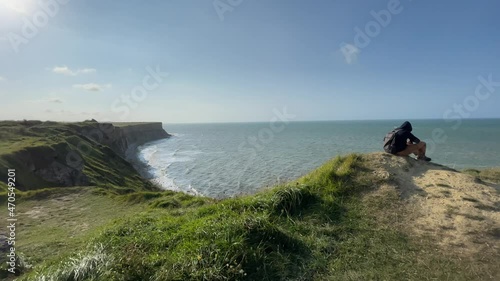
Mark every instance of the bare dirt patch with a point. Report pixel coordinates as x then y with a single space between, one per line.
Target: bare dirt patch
458 212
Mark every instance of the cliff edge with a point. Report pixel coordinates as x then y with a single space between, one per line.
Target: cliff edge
51 154
360 217
124 138
458 211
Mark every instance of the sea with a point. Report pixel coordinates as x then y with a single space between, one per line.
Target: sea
228 159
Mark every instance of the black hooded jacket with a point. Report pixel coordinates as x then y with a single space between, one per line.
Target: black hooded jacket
402 135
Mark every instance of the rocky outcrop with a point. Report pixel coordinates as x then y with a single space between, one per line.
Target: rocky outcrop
136 135
124 138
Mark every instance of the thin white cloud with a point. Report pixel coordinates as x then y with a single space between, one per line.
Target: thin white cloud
64 70
17 6
350 53
55 100
49 99
2 78
92 87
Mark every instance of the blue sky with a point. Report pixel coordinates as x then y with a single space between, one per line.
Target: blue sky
237 61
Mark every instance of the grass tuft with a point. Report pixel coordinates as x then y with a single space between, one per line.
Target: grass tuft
290 200
88 266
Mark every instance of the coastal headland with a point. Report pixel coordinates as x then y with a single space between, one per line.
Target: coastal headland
357 217
50 154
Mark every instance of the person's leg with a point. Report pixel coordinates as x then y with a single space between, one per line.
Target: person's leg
421 150
417 149
410 148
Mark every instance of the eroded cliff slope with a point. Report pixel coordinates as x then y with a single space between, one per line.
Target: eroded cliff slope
49 154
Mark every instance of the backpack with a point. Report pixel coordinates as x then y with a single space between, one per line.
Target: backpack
389 141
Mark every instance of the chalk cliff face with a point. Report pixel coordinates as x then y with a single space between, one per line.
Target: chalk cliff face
124 139
79 154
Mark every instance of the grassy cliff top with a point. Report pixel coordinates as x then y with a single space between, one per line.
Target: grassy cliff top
17 135
43 152
359 217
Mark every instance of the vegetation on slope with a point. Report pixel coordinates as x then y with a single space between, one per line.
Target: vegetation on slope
319 227
61 152
488 175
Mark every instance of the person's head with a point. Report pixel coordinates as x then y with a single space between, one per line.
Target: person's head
406 126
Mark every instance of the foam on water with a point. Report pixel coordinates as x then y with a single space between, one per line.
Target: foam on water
159 162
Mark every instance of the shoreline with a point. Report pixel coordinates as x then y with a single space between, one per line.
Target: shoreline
144 170
132 156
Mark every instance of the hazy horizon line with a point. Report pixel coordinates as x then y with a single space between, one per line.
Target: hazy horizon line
249 122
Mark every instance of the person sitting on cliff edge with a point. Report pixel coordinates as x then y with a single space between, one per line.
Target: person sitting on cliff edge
402 142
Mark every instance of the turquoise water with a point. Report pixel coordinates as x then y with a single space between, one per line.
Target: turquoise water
220 160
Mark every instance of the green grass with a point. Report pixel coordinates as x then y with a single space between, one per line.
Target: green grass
50 147
320 227
51 221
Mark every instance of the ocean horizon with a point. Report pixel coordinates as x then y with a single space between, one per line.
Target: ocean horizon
227 159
